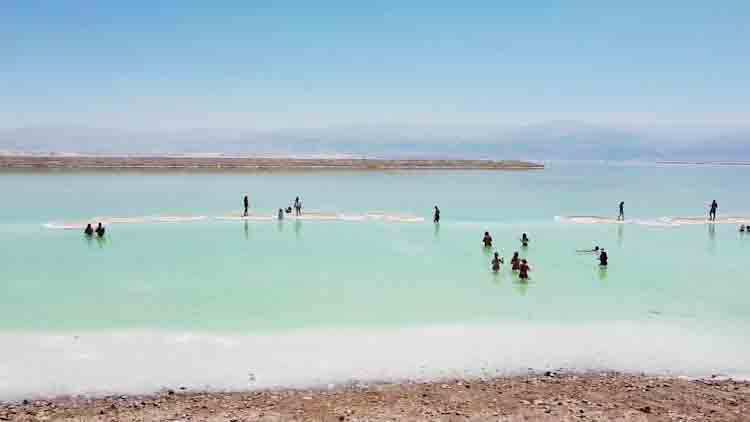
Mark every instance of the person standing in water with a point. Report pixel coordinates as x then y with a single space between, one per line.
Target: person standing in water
487 240
496 261
246 201
524 240
621 216
100 230
88 231
523 270
603 258
281 214
297 206
436 215
515 262
712 212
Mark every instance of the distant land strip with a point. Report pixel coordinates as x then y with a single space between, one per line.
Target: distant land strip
706 163
237 163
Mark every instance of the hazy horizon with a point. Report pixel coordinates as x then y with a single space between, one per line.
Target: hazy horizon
566 140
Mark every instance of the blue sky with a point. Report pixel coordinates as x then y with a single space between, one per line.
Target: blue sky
256 64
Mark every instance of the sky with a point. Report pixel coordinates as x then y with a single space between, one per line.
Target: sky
272 64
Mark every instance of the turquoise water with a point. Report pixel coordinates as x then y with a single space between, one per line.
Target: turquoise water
247 280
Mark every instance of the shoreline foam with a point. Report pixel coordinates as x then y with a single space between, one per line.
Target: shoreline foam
144 362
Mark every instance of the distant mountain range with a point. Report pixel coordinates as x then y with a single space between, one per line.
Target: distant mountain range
547 141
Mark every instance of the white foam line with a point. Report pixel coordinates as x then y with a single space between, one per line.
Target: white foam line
147 361
329 217
108 221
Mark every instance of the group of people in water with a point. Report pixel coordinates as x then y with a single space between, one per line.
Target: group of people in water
89 231
296 206
517 264
288 210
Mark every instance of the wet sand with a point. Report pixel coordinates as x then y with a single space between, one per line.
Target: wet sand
550 397
233 163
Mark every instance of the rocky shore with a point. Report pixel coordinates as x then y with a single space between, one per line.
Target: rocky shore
236 163
549 397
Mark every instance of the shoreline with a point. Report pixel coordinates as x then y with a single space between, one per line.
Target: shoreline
703 163
36 162
549 396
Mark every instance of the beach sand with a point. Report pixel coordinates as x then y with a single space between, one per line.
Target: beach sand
248 163
550 397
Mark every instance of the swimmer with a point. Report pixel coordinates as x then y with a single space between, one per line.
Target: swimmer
496 261
297 206
523 270
281 214
288 210
621 216
89 231
524 240
596 249
100 230
603 258
712 212
487 240
742 228
436 216
515 262
246 201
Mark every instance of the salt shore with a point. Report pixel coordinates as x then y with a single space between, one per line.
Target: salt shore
548 396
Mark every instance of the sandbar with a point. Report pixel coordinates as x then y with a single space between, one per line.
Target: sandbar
250 163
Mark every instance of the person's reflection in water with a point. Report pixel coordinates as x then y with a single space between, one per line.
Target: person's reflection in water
619 234
521 287
497 277
602 273
711 237
437 230
280 225
247 231
297 228
101 241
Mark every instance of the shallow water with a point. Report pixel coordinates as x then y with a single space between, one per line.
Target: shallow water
423 294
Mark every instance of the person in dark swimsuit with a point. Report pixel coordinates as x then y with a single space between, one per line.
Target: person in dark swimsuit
603 258
524 240
487 240
496 261
742 228
523 270
246 201
596 249
712 212
622 211
100 230
515 262
88 231
281 214
297 206
436 216
288 210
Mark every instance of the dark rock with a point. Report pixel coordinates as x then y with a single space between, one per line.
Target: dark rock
645 409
